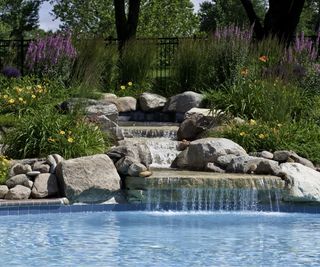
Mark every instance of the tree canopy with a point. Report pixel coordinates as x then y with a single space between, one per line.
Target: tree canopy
20 16
157 18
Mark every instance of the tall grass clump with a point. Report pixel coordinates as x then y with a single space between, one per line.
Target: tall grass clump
94 68
187 65
226 53
136 63
52 57
46 132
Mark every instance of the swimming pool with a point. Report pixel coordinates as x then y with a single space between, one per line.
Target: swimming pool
161 239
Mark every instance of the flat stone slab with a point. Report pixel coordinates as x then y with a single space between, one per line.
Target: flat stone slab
174 179
34 202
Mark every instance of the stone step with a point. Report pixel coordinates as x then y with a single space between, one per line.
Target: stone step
168 178
165 131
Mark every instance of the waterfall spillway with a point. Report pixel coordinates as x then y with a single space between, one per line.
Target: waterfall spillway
187 190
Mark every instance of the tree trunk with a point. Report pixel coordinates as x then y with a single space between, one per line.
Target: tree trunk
282 18
126 27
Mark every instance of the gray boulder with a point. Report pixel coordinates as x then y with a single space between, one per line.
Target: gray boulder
125 104
249 164
136 168
3 191
224 161
41 166
203 151
20 168
303 183
18 192
110 110
88 179
183 102
110 127
194 125
212 167
290 156
20 179
262 154
151 102
45 185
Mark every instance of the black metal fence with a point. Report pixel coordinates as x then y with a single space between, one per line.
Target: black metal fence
13 52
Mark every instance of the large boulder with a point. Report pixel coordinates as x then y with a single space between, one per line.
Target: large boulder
249 164
18 192
109 110
110 127
194 125
88 179
283 156
20 168
181 103
45 185
202 151
151 102
125 104
303 183
20 179
3 191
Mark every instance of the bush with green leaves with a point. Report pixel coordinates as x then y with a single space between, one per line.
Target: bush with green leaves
267 100
4 169
95 67
136 63
301 137
47 132
20 96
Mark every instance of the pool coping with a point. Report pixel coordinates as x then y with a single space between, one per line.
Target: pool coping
60 205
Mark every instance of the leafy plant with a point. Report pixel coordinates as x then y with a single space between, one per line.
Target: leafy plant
51 57
4 169
40 134
302 137
136 63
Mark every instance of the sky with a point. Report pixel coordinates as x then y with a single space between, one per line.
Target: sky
47 21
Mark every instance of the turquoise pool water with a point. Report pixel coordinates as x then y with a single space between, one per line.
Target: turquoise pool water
161 239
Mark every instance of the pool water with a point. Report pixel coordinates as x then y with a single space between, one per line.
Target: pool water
161 239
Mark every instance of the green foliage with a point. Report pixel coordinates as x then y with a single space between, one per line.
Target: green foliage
266 100
95 68
222 13
187 65
46 132
21 15
136 63
167 18
7 120
20 96
4 169
302 137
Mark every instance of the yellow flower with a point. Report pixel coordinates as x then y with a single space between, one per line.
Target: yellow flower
263 59
70 140
130 83
244 72
33 96
11 101
28 88
51 140
279 124
262 136
5 96
24 102
62 132
20 99
252 122
18 89
243 134
123 87
39 86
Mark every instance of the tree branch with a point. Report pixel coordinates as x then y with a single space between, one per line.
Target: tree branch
253 18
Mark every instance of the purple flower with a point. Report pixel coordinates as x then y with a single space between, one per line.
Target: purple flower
11 72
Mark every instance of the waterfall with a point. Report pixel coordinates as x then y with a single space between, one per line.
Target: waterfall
211 199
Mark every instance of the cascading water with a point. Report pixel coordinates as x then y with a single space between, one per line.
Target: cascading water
194 191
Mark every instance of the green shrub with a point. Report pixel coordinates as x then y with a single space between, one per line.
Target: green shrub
22 95
187 65
4 169
47 132
136 63
302 137
95 68
265 100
